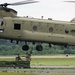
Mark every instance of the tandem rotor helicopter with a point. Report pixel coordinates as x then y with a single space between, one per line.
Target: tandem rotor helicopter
34 30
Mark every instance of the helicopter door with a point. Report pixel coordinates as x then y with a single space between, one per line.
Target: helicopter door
2 25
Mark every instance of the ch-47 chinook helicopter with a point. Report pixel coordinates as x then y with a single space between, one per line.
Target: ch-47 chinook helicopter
34 30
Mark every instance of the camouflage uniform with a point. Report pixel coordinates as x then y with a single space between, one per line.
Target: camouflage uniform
18 58
28 57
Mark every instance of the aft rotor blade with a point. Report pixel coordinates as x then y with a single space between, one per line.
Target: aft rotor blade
70 1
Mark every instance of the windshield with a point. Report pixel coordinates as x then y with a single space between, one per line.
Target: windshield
2 25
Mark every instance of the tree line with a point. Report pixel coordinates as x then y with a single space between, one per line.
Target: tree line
7 48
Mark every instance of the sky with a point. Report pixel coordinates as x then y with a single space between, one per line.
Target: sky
55 9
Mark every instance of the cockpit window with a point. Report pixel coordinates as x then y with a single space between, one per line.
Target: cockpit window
1 30
1 22
2 25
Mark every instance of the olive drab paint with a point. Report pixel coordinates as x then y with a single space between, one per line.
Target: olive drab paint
38 30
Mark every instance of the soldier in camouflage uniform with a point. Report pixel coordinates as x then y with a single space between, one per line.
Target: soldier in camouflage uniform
28 57
18 58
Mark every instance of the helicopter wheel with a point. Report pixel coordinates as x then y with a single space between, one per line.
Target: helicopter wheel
25 48
39 48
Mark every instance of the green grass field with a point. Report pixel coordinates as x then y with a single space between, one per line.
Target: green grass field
47 61
42 62
15 73
53 61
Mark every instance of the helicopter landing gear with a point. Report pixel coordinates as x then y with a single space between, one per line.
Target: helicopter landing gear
39 48
25 47
50 45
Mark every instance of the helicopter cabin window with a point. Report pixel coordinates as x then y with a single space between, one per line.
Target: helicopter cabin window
17 26
50 29
66 31
34 28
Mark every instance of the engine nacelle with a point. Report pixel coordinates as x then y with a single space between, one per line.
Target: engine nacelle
7 12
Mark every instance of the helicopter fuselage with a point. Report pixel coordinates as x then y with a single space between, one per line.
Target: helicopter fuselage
38 30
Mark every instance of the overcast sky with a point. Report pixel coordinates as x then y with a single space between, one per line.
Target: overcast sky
55 9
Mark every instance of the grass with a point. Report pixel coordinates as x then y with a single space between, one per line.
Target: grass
53 61
59 74
21 73
14 73
47 61
42 61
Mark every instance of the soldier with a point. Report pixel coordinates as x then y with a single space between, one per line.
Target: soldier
18 58
28 57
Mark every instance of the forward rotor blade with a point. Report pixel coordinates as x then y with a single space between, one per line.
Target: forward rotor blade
24 2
